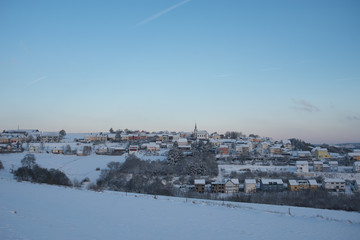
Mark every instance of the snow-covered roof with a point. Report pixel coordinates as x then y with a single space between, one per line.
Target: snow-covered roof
303 152
302 163
224 146
353 154
202 132
333 162
250 181
318 162
319 149
199 181
327 180
234 180
293 182
268 181
50 134
313 182
218 183
182 140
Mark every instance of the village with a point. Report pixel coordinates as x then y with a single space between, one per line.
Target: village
296 169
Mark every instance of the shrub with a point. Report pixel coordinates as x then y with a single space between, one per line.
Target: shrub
1 165
30 171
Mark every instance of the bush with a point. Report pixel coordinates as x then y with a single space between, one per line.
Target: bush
32 172
1 165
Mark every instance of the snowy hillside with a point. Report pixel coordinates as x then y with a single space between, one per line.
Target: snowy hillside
33 211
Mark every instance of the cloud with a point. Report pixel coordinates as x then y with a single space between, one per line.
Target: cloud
153 17
351 118
37 80
303 105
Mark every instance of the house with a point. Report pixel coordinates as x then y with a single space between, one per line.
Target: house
199 185
296 185
218 187
215 136
271 184
356 167
79 152
116 151
152 147
143 136
355 155
356 186
232 186
301 154
183 144
275 150
34 149
313 184
286 143
111 136
50 137
242 149
133 148
224 149
333 166
57 151
318 166
124 137
337 185
302 166
250 186
95 138
320 152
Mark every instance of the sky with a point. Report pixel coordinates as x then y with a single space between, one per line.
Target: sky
280 69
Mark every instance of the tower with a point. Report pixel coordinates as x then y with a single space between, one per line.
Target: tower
195 131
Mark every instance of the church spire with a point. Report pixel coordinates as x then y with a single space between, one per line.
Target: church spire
195 131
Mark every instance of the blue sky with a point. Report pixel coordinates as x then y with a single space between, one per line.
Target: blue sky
274 68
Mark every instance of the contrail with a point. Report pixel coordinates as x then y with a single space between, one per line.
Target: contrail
162 13
36 80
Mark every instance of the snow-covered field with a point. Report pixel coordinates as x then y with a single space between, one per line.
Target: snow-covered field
36 211
75 167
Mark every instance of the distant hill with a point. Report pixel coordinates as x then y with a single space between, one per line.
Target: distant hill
300 145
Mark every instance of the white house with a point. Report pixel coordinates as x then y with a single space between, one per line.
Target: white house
302 166
337 185
333 166
356 167
250 185
232 186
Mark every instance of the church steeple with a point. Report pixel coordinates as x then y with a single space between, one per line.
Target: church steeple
195 131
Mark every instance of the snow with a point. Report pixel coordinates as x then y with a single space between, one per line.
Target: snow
250 181
302 163
293 182
34 211
330 180
199 181
268 181
75 167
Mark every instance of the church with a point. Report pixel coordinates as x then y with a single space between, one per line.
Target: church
201 135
